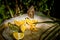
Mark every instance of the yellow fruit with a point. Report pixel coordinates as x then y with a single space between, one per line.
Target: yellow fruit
19 23
22 22
28 21
32 27
17 35
23 28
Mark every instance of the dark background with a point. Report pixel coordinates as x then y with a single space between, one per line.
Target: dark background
44 6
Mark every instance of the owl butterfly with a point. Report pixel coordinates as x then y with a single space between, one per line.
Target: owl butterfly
31 12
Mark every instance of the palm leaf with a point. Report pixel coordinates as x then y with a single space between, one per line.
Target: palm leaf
48 22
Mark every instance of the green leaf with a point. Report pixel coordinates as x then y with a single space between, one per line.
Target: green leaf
13 27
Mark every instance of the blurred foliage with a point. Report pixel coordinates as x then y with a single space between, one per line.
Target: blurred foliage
8 7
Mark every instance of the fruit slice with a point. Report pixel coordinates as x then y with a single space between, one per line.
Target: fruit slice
19 23
18 36
33 28
23 28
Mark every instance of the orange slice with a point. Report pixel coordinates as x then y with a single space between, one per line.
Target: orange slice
18 36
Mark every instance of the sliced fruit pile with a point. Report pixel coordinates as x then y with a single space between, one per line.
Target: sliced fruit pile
23 25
